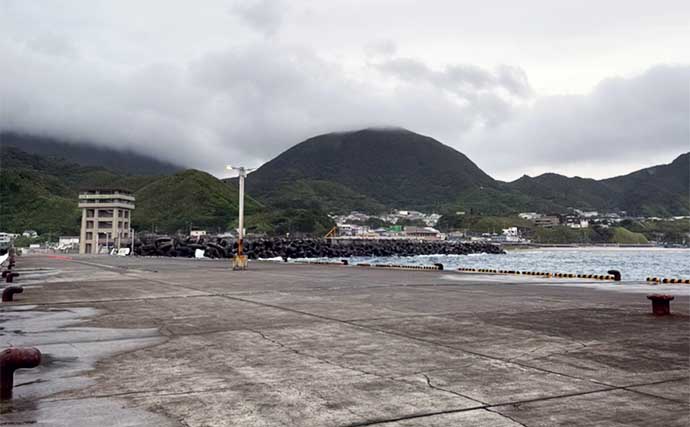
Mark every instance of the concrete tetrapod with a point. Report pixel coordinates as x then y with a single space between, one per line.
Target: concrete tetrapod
14 358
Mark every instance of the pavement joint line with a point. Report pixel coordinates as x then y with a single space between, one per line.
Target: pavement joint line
357 424
488 406
159 393
97 341
386 332
320 359
41 304
494 411
609 388
644 393
420 340
400 335
435 387
474 353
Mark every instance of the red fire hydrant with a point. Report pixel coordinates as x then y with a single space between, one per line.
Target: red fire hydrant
14 358
661 304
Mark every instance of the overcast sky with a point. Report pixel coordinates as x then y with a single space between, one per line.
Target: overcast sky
589 88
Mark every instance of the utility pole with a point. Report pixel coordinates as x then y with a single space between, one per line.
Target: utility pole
240 261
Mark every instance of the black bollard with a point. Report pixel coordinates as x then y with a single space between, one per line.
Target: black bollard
616 275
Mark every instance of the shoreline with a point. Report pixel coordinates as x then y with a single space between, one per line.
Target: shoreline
593 248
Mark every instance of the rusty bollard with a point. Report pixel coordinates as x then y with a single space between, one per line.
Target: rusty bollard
661 304
8 292
14 358
9 277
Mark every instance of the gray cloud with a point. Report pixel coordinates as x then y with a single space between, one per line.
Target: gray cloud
642 119
464 80
196 86
263 15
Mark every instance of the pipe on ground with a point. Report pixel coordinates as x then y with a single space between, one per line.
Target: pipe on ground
8 292
14 358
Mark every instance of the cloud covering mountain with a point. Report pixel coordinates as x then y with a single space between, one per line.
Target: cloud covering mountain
242 81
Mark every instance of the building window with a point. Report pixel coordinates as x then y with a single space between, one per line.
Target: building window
89 235
105 224
89 224
89 213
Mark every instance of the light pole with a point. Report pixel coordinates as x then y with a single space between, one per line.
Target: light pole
240 261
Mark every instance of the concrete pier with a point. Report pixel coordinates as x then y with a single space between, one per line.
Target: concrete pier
181 342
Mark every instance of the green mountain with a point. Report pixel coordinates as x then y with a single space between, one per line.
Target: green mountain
553 192
656 191
370 169
190 198
661 190
373 170
41 194
84 154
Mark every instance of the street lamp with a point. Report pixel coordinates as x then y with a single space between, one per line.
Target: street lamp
240 261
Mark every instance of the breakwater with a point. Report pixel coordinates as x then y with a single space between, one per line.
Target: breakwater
152 245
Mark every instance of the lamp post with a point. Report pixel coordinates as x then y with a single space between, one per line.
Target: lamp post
240 261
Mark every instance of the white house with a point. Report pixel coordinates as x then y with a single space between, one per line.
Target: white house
531 216
511 234
7 237
30 234
68 242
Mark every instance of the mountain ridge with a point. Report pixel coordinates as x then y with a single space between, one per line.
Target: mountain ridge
433 182
84 154
371 170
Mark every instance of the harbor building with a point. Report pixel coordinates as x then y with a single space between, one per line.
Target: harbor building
105 219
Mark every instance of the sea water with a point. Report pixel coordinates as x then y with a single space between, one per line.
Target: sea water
633 263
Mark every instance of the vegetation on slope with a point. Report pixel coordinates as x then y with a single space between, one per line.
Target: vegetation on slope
190 198
625 236
393 167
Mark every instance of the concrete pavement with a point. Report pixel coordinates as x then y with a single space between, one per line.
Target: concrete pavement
180 342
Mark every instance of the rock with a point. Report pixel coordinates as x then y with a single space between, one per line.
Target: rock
155 245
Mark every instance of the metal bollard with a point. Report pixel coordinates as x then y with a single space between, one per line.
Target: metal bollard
661 304
12 359
8 292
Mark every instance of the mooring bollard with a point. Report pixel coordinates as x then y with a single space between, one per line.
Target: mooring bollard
616 275
12 359
661 304
9 277
8 292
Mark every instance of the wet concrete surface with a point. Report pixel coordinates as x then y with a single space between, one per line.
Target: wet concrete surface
179 342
